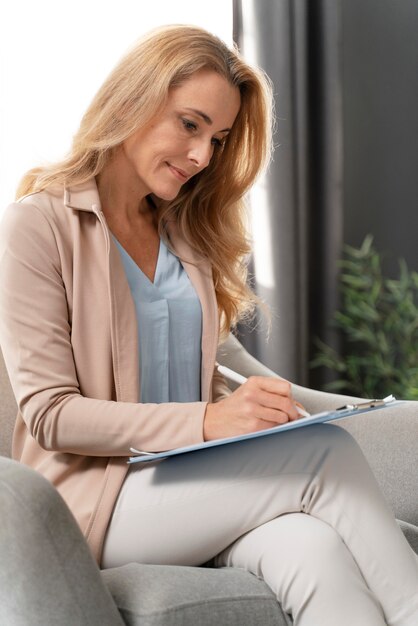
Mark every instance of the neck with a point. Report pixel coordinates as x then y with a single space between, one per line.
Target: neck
122 194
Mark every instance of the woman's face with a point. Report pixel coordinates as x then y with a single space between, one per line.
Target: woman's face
180 142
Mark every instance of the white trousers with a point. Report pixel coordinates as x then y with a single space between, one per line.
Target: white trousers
301 510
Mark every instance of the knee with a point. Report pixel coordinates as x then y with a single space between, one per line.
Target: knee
339 458
315 551
318 542
307 548
339 440
311 536
299 538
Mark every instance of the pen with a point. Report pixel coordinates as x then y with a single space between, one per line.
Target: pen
240 379
231 375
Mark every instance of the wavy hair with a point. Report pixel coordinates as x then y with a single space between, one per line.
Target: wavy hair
210 208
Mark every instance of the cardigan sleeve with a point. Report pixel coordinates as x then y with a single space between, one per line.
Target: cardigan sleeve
35 336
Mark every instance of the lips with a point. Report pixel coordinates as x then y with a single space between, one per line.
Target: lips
178 173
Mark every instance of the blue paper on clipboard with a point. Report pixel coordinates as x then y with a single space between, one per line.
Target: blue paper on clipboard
318 418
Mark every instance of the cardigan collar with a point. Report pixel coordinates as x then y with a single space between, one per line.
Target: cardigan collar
83 197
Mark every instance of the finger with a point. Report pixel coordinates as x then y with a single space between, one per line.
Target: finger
261 424
271 384
274 416
259 397
279 403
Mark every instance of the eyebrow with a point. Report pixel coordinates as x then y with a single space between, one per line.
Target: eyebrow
206 118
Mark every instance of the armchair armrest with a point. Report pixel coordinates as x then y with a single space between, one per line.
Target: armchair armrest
47 573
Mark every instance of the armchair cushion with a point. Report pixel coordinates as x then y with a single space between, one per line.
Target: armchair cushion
183 596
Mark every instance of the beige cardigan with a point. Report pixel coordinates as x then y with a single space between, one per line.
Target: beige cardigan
68 334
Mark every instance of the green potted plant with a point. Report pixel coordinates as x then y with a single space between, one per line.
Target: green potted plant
378 321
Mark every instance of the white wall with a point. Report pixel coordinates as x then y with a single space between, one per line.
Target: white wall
55 55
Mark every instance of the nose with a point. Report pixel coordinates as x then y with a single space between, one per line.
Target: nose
200 153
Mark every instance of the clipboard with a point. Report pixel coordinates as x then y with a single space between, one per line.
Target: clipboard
140 456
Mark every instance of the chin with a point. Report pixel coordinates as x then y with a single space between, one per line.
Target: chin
166 195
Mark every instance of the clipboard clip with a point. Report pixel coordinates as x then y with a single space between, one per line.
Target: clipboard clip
369 404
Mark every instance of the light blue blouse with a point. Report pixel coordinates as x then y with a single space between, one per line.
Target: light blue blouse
169 318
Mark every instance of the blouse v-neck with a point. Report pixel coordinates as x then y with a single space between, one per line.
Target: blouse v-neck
169 321
128 259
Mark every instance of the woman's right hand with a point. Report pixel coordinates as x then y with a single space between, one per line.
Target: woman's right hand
260 403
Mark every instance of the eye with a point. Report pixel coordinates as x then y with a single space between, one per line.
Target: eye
218 142
188 125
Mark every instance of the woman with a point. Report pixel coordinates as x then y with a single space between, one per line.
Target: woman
120 265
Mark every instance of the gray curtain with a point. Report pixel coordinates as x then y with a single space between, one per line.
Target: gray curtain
297 207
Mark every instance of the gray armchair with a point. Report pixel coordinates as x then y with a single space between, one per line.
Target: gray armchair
48 577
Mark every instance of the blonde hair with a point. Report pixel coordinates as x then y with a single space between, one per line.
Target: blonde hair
210 207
